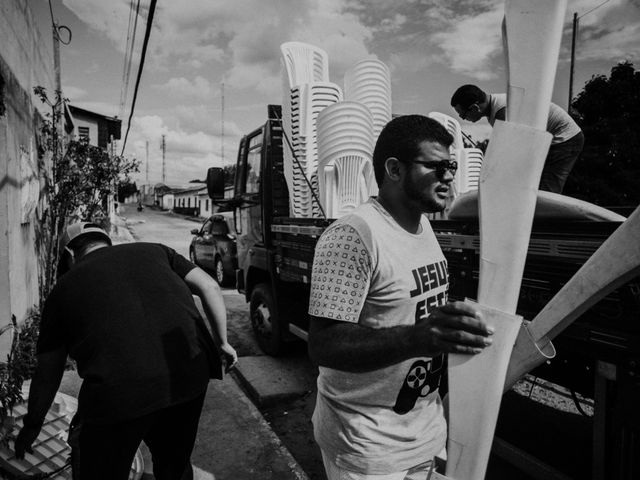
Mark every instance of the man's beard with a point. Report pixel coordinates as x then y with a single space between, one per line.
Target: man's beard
426 203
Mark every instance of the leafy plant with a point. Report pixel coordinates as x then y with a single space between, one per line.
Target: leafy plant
21 362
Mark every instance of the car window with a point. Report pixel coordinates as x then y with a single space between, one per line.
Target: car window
219 227
206 228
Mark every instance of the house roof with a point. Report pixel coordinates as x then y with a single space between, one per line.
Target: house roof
190 189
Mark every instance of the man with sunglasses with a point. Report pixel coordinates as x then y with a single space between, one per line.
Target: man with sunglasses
380 321
471 104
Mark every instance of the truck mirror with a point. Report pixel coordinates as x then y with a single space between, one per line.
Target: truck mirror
215 183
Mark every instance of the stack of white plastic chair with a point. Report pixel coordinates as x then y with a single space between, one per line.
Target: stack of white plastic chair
345 146
306 91
369 82
307 101
469 168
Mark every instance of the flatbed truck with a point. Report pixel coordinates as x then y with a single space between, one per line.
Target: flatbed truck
598 355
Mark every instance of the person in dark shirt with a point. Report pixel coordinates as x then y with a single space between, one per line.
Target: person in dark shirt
126 315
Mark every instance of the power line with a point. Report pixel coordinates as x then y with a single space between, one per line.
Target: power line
147 33
128 55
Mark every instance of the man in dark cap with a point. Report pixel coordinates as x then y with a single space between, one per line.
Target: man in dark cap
126 315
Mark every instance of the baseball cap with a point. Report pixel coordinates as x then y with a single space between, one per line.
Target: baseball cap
78 230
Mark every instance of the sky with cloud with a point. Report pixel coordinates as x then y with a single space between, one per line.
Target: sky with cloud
430 46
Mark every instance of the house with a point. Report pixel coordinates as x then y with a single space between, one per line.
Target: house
207 207
99 130
188 200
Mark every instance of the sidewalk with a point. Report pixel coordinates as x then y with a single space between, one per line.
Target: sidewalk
234 441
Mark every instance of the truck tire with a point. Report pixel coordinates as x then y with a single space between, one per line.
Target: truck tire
267 327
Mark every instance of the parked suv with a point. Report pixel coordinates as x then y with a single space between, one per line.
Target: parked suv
213 247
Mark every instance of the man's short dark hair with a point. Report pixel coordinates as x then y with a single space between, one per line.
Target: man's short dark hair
467 95
401 138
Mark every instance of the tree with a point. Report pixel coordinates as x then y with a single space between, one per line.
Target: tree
608 111
126 189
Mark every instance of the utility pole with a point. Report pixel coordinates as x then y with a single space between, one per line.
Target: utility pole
147 163
58 95
574 36
163 145
222 133
573 59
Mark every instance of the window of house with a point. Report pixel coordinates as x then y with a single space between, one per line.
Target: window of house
206 205
83 133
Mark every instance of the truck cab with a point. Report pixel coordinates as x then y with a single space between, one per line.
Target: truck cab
260 206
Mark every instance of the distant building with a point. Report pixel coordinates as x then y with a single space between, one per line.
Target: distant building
207 207
188 200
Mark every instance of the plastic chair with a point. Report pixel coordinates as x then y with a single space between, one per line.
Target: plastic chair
303 105
452 126
345 183
369 82
304 63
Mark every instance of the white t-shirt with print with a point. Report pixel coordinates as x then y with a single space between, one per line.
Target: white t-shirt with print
369 270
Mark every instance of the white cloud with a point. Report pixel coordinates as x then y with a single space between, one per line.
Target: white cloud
199 87
471 43
187 154
618 45
245 35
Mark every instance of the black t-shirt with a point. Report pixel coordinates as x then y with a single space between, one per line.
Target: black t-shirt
126 316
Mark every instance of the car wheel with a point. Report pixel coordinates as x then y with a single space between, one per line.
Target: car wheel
267 327
219 272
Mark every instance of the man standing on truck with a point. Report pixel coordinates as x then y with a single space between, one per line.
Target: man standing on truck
471 104
126 315
380 321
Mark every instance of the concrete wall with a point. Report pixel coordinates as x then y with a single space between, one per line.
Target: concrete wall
26 61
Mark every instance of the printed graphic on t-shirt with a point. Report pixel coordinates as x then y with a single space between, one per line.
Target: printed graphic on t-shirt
340 276
427 278
422 380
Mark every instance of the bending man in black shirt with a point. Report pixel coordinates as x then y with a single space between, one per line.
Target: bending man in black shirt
126 315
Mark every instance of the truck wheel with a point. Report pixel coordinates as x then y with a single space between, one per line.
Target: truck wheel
266 325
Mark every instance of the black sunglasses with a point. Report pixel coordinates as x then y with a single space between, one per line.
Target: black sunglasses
440 166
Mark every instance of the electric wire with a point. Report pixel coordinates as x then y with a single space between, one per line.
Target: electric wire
147 33
57 28
127 46
128 59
